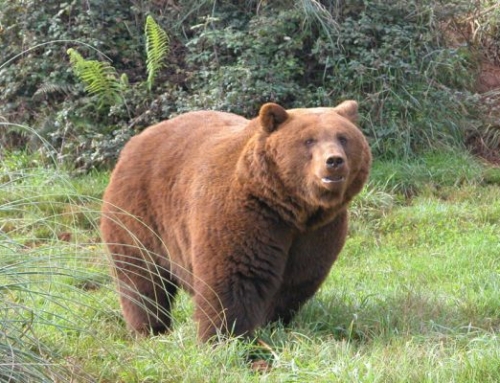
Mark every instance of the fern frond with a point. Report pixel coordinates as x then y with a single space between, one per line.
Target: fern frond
99 77
157 48
50 88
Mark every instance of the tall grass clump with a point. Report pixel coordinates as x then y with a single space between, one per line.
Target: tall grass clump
50 269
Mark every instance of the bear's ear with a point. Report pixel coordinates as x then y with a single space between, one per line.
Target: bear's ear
348 109
271 116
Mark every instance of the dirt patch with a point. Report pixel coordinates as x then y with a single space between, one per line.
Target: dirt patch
488 79
484 141
480 147
476 32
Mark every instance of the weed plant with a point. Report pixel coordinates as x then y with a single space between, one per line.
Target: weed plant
413 297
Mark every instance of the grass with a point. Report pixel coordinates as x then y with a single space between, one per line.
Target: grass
413 297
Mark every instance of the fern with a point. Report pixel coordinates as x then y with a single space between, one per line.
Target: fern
157 48
99 78
48 89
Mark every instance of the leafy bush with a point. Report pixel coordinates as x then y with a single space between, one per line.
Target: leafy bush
34 72
234 56
385 55
42 92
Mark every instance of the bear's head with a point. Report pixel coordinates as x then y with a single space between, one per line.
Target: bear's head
315 157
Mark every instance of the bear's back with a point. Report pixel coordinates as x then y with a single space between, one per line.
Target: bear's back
193 129
175 141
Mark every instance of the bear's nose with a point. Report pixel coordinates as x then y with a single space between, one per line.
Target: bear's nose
334 161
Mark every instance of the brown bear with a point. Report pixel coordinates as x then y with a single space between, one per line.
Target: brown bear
246 215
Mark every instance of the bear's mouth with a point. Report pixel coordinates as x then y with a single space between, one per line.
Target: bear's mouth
332 180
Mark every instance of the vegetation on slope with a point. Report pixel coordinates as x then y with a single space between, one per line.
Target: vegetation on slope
415 83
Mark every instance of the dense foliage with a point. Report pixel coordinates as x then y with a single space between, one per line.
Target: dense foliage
233 56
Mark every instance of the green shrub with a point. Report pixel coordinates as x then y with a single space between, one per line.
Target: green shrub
234 56
386 55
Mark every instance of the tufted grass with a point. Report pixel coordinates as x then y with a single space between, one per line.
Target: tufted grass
413 298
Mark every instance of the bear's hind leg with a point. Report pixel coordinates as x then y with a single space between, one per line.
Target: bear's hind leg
146 295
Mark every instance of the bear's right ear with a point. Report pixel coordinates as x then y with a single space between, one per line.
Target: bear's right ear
271 116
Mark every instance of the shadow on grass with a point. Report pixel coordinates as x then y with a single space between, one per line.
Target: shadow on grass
384 317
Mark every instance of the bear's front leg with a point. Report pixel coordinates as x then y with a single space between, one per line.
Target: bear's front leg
233 292
311 257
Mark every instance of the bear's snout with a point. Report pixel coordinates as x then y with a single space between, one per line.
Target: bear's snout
333 167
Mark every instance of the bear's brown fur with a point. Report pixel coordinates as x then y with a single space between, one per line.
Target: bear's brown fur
248 216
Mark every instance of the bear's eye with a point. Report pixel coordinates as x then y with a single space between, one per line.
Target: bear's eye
309 141
342 140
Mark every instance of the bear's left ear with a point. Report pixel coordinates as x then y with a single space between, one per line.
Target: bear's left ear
348 109
271 116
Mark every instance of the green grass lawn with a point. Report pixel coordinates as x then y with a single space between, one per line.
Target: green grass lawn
414 297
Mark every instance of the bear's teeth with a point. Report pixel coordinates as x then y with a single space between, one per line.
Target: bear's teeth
328 180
